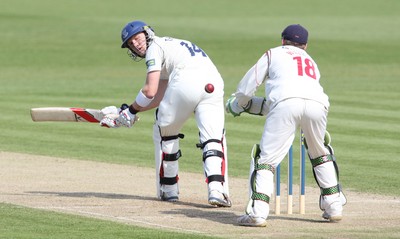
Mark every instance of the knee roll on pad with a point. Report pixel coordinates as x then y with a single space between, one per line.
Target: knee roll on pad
327 142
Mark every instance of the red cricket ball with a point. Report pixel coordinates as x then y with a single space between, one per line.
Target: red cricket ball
209 88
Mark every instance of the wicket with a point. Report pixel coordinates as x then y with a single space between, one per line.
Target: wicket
302 185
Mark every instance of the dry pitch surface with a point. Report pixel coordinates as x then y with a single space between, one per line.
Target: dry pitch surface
127 194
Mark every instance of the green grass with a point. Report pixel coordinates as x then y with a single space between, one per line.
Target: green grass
22 222
67 53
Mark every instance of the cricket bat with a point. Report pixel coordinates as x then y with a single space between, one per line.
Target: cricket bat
65 114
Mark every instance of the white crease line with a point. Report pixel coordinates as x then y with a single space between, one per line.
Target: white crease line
120 218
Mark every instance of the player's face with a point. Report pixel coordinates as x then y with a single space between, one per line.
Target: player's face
137 43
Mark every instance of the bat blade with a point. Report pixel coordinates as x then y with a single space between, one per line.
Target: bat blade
65 114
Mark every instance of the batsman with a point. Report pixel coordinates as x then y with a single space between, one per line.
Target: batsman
294 98
181 81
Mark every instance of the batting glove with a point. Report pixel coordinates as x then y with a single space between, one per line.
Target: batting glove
232 106
109 122
126 118
110 110
113 110
110 114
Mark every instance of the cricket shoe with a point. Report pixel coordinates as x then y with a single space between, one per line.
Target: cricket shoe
332 207
334 212
331 217
250 221
219 199
170 196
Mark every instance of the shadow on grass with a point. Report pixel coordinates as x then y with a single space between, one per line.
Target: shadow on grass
115 196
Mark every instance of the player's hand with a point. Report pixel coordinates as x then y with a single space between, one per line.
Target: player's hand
110 114
113 110
232 106
126 118
109 121
256 106
110 110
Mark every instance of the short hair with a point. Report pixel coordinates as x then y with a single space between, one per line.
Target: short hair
296 44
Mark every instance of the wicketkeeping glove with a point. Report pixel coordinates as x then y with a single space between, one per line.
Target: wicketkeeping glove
233 107
256 106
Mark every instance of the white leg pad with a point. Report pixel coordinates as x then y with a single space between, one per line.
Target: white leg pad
215 165
212 165
171 168
168 168
326 175
157 157
262 181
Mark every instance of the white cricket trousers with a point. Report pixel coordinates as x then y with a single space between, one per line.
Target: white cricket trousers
280 128
185 96
282 123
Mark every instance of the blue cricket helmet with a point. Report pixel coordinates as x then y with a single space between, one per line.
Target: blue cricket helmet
133 28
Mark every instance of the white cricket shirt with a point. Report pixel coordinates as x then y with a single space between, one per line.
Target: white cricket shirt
288 72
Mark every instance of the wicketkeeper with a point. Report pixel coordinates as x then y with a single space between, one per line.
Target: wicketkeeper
294 98
181 81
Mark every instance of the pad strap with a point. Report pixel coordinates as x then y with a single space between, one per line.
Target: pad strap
167 138
264 167
330 191
260 196
202 145
211 153
218 178
322 159
172 157
169 181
